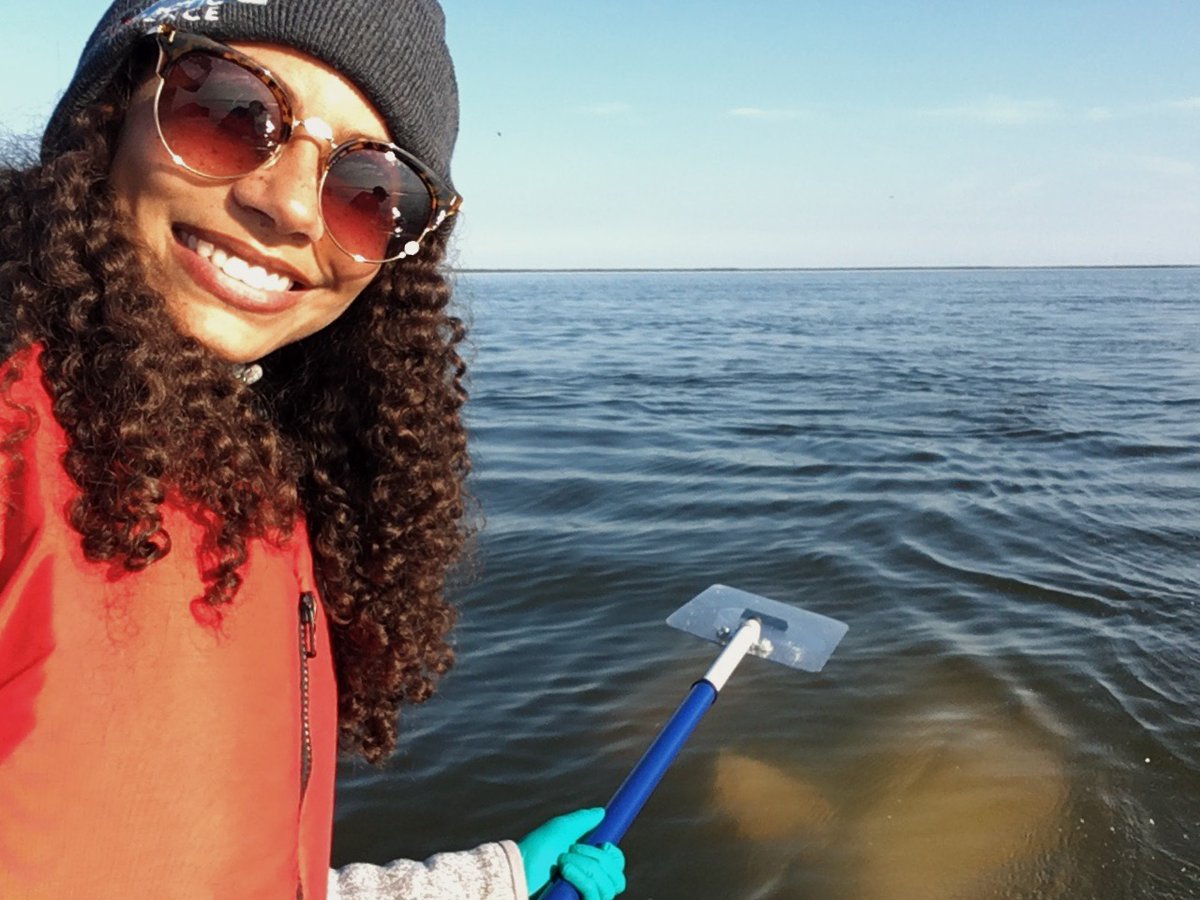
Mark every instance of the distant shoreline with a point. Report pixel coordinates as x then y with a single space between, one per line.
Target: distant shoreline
568 270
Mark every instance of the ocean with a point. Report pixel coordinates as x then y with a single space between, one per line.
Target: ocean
992 476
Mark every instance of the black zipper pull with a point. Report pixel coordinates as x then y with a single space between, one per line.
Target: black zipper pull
308 622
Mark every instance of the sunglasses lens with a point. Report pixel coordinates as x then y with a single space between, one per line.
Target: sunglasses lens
216 116
373 203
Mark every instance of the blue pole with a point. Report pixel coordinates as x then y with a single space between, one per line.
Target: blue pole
633 793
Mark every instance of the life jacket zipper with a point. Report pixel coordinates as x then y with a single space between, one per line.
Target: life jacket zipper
308 649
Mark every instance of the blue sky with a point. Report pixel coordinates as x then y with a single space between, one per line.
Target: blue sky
773 133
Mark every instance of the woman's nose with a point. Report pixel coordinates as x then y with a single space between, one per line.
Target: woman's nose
286 193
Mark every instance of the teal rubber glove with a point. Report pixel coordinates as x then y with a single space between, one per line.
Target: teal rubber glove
598 873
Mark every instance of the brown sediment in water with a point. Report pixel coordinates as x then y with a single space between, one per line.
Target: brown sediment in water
958 797
967 801
768 803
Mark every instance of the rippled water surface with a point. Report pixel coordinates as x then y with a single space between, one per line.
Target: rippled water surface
992 476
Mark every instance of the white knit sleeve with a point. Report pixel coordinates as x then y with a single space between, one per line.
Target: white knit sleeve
489 872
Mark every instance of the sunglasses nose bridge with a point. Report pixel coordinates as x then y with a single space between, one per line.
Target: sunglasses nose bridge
316 128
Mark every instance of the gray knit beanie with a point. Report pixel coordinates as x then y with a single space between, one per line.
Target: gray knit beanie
393 50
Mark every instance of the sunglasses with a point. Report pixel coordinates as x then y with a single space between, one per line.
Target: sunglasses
221 115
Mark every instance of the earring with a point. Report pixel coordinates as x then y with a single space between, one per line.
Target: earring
247 373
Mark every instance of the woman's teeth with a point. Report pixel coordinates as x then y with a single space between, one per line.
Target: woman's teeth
237 268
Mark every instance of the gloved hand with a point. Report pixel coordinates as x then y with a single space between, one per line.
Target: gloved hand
598 873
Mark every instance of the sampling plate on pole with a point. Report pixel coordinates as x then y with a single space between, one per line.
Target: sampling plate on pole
792 637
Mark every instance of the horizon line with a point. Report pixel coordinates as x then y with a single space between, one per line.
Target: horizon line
569 269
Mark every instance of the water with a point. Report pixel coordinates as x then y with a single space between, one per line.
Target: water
992 476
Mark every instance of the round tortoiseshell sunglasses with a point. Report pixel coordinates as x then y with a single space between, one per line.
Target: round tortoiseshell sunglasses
222 115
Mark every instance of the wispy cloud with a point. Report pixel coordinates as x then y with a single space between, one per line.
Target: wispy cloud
999 111
762 114
611 108
1166 165
1188 104
1179 105
1154 108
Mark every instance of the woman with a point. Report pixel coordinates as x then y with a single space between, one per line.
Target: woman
233 456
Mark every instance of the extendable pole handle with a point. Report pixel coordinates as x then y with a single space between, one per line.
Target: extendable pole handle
633 793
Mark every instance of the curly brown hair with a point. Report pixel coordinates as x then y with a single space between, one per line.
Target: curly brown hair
357 427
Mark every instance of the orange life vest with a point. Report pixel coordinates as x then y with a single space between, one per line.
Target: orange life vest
142 753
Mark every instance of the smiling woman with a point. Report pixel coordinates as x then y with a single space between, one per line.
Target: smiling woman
246 265
234 457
